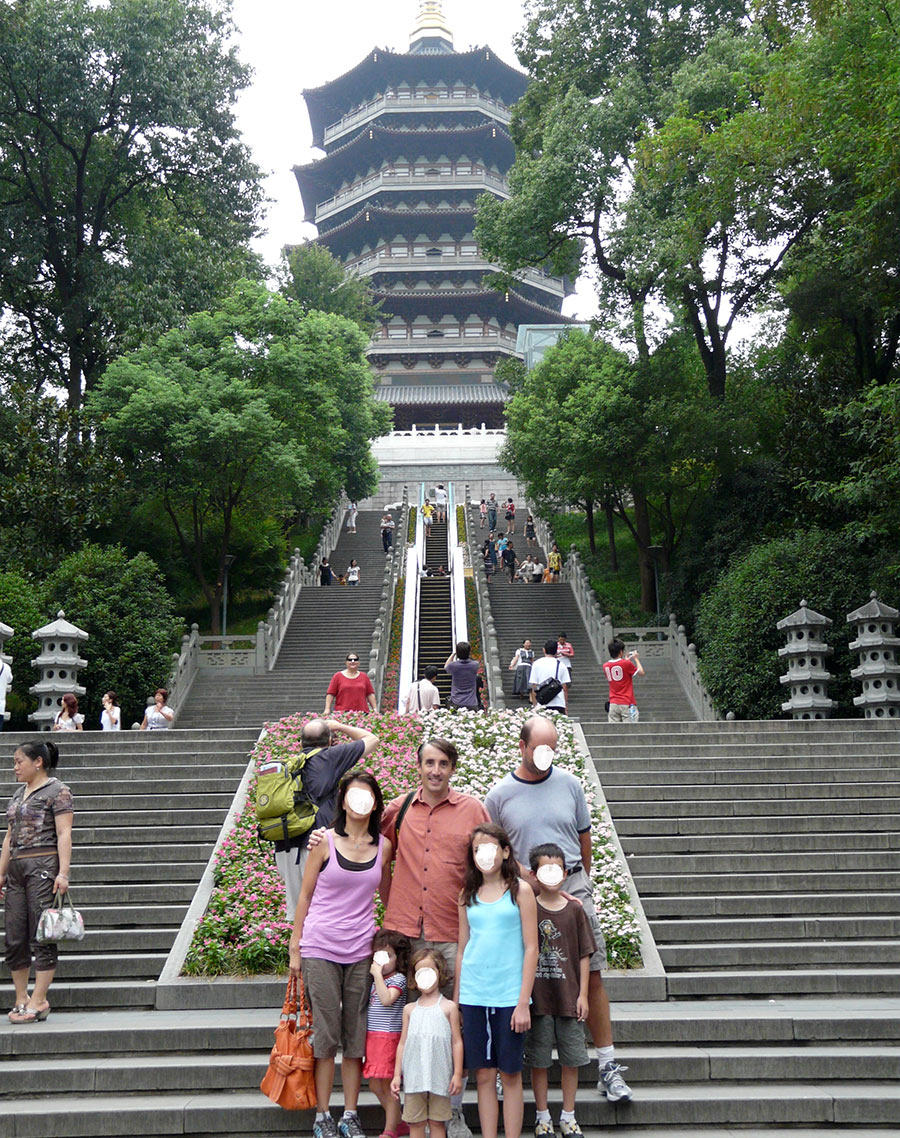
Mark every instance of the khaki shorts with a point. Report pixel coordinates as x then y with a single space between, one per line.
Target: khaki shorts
579 885
423 1106
338 996
564 1033
623 713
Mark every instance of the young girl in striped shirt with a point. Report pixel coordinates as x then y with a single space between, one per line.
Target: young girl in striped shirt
384 1022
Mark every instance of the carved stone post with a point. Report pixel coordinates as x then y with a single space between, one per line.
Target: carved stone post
878 669
806 652
60 664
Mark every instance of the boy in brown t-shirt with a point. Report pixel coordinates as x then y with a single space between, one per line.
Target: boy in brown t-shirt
559 1004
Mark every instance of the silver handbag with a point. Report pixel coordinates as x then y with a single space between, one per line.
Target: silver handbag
61 921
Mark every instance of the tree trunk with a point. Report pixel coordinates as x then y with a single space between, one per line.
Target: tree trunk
611 534
644 541
592 537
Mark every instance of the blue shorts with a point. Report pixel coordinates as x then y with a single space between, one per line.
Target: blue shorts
489 1040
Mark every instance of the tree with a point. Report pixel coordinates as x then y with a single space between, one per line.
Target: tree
23 606
318 282
124 607
588 426
251 408
126 195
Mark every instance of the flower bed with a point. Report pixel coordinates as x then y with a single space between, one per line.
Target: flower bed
244 930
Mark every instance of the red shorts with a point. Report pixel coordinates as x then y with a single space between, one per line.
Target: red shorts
381 1051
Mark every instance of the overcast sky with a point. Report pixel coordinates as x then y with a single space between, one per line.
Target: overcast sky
293 44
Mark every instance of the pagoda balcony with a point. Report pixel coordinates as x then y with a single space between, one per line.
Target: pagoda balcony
423 341
428 258
459 98
416 178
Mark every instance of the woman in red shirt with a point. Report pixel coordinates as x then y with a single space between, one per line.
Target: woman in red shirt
350 689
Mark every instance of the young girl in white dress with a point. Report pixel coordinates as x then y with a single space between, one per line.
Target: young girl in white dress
430 1055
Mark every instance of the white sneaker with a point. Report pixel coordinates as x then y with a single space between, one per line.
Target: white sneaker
611 1082
544 1130
569 1128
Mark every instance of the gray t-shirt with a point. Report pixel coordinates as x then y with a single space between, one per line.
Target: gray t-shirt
551 810
463 692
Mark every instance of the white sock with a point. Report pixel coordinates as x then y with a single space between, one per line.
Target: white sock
542 1116
319 1115
348 1114
604 1054
567 1116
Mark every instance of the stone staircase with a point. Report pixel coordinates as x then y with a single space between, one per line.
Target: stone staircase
326 624
149 807
538 612
767 855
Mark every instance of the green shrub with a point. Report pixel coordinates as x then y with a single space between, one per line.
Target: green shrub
23 606
736 635
124 607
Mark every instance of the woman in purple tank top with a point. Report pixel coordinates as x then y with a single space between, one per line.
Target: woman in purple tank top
333 929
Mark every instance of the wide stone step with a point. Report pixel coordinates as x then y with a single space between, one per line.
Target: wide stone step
844 861
760 843
698 1104
761 905
87 965
161 851
220 799
152 815
726 807
691 751
149 893
724 767
79 997
120 940
784 929
107 873
123 916
777 954
191 836
688 824
769 883
772 983
885 775
741 792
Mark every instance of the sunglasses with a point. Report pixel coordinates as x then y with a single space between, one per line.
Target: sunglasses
353 659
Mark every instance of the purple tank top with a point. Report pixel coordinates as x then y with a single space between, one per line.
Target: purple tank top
340 923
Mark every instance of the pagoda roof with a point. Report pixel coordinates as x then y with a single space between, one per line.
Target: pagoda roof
320 179
427 393
380 69
359 220
873 609
484 301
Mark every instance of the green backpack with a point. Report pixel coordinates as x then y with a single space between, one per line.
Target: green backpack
283 809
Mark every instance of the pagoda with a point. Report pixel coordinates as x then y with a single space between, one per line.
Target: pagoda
410 141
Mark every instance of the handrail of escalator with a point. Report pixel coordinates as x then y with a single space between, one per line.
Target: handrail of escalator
409 643
458 619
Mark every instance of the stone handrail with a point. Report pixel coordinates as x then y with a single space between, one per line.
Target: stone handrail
597 624
684 661
381 632
185 665
489 644
270 632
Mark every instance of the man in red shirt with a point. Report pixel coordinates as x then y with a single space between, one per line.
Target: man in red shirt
350 690
620 671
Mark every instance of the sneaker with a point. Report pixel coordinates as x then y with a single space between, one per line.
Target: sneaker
570 1128
457 1127
350 1128
325 1128
611 1082
544 1130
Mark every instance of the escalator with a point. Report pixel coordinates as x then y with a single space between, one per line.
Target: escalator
435 638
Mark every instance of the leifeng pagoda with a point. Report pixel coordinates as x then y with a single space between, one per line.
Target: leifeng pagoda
410 140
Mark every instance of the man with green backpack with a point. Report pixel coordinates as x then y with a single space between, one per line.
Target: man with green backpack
292 798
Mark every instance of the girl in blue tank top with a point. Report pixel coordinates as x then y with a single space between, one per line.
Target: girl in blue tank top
495 968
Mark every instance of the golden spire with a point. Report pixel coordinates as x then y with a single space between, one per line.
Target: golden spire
430 24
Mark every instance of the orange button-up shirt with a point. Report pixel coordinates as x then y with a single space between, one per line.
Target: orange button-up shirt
430 863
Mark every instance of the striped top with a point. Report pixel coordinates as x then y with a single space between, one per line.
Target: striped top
380 1018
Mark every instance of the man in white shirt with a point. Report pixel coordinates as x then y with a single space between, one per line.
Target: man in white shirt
423 695
440 503
545 669
6 678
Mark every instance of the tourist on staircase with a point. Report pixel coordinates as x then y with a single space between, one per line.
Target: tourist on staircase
353 572
423 695
550 668
565 651
620 671
492 506
331 943
34 866
554 563
160 716
521 663
350 689
440 502
463 670
387 531
111 716
69 718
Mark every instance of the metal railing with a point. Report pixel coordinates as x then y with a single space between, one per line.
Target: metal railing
416 179
490 645
433 100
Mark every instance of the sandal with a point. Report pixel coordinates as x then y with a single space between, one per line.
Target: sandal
30 1015
16 1010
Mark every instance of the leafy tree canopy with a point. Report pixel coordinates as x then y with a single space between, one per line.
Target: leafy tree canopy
126 195
317 281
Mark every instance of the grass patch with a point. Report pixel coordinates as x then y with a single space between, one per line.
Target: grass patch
619 592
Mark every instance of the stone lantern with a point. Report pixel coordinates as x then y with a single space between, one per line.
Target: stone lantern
59 663
805 652
5 633
878 668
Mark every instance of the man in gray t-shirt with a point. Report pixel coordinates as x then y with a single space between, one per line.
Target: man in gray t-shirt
539 803
463 672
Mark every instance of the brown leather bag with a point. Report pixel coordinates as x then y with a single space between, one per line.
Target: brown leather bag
290 1081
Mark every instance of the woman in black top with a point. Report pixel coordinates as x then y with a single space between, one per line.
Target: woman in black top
34 864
